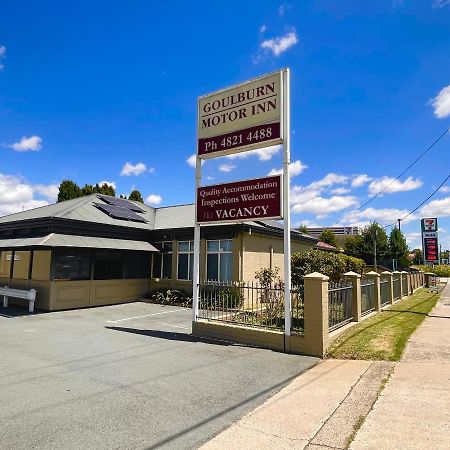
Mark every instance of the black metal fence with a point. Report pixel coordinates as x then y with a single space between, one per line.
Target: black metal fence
339 304
396 284
405 285
367 296
250 304
384 292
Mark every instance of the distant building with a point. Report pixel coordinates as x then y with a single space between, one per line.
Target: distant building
341 233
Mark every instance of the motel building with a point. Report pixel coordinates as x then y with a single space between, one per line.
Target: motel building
100 250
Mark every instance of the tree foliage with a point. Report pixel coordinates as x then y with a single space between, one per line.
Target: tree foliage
331 264
328 237
418 256
303 229
136 196
362 246
398 248
68 190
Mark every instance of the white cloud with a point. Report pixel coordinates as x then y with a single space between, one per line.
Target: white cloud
296 168
340 191
49 191
17 195
436 208
151 170
280 44
444 189
441 103
413 239
32 143
384 215
109 183
392 185
264 154
2 55
321 206
226 167
191 160
153 199
440 3
133 169
329 180
283 9
360 180
262 28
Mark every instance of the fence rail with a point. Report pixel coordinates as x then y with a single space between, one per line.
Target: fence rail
367 296
339 304
250 304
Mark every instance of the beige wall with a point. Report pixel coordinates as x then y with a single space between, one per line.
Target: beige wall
264 252
5 265
41 265
21 267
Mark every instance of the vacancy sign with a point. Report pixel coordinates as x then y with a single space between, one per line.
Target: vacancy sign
257 199
243 117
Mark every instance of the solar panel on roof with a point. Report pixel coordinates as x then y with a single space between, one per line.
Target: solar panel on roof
118 212
121 202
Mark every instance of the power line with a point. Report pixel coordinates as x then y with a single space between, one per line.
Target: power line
421 204
396 179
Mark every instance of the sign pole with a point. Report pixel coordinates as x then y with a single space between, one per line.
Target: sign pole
196 271
286 200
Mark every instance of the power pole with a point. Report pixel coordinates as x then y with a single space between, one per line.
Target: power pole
375 250
399 224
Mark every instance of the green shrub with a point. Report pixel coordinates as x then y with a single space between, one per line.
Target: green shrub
170 297
331 264
440 271
226 297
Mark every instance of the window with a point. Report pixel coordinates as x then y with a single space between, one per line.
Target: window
72 265
108 265
137 265
185 260
162 262
219 260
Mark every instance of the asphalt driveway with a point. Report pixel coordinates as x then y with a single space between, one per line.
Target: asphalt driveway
126 377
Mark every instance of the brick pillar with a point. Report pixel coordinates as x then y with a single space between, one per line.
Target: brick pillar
376 283
316 312
356 295
428 275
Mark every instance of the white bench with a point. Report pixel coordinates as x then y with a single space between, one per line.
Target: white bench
29 295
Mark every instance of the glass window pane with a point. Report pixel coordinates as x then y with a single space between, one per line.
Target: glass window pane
72 265
156 271
226 266
167 265
183 259
137 265
191 246
226 245
183 246
212 267
191 266
167 246
212 246
108 265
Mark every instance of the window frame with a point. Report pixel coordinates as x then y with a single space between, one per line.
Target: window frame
219 252
189 253
162 252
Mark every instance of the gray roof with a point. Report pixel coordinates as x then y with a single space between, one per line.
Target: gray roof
68 240
165 218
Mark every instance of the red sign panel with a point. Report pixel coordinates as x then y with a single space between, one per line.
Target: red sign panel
431 250
241 201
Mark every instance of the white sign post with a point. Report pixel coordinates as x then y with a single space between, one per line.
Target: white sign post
245 117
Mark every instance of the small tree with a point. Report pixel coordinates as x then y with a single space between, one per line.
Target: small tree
328 237
303 229
418 256
68 190
136 196
398 248
105 189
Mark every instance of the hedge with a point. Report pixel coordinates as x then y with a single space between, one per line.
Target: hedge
331 264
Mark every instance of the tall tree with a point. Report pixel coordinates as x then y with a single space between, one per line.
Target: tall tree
398 248
68 190
105 189
363 246
136 196
328 237
418 256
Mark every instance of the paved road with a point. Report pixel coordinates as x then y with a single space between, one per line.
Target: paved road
126 376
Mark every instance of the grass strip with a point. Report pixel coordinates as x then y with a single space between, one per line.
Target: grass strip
383 337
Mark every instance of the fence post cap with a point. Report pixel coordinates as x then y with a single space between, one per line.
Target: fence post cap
352 274
396 271
403 271
373 274
386 272
429 273
317 276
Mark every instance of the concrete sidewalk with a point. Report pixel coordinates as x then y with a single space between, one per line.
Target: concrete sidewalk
413 411
325 406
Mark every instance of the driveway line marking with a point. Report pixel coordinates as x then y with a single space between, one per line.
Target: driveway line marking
141 317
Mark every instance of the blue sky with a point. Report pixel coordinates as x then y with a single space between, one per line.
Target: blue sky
107 91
